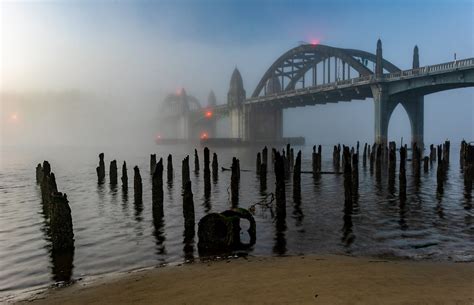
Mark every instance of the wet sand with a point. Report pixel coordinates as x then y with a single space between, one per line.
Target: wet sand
280 280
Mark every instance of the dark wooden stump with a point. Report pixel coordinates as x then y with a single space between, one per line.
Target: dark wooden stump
280 195
124 177
259 163
113 172
62 234
234 182
215 167
188 209
196 161
207 173
185 171
137 185
101 169
297 176
152 163
157 188
39 173
169 169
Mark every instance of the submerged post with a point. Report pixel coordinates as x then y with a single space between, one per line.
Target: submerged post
355 173
234 182
124 177
185 171
196 161
169 168
152 163
259 163
347 176
280 195
62 234
297 176
137 185
101 169
188 209
265 157
403 177
113 172
157 188
364 156
215 167
207 173
426 164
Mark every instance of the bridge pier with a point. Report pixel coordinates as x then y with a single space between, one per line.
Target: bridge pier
415 108
265 124
384 106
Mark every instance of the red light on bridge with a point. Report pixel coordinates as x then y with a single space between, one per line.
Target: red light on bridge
208 114
204 135
314 41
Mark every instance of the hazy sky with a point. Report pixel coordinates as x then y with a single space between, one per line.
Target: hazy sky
131 53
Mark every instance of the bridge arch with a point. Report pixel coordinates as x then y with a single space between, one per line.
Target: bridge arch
295 63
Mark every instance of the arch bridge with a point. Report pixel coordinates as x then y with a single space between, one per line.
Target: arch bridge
318 74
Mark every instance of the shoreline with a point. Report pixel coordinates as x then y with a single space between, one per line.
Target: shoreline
308 279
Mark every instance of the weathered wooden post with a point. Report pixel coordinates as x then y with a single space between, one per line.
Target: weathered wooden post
124 177
372 158
215 167
297 176
137 185
101 169
462 156
207 173
259 163
185 171
392 160
62 234
152 163
273 155
188 210
355 173
440 169
432 153
280 195
364 155
234 182
263 176
157 188
286 165
446 151
265 157
416 156
403 177
169 169
320 158
113 172
48 185
426 164
468 169
196 161
39 173
378 161
314 162
347 176
292 159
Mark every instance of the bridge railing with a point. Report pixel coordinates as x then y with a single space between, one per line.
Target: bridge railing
448 66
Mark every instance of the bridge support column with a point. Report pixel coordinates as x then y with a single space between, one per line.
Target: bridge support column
384 107
265 124
415 108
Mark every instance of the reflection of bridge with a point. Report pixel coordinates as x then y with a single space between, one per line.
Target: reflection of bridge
305 75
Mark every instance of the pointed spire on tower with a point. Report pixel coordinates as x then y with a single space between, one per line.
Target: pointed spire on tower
379 59
211 99
236 94
416 58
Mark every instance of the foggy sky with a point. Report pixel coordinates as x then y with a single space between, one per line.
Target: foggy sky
124 57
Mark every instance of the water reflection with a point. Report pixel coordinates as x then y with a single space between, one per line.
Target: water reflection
347 234
63 265
158 224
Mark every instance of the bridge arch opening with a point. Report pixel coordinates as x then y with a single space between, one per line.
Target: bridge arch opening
399 126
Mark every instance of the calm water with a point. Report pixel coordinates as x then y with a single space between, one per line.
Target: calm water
112 235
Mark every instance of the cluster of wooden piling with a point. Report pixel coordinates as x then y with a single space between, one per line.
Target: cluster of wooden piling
467 163
56 208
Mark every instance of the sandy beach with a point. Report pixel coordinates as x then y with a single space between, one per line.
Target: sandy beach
279 280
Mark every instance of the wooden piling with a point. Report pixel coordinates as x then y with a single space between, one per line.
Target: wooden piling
265 157
392 159
196 161
188 208
207 173
355 173
215 167
137 185
185 171
402 172
169 168
157 188
234 182
346 155
297 176
292 159
113 172
364 155
263 176
101 169
39 173
259 163
468 163
62 234
124 177
426 163
280 196
152 163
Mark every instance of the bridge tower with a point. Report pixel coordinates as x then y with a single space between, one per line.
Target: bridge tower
235 101
384 104
211 125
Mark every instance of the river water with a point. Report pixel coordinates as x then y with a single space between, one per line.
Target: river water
113 235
